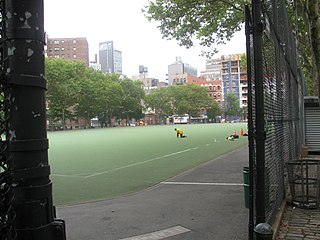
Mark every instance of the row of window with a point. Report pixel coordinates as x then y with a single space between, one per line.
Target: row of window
62 56
215 95
179 80
214 88
61 49
60 41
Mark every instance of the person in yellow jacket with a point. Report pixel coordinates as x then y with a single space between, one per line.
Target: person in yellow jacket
179 133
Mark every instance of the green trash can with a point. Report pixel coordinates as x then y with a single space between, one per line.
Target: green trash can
246 186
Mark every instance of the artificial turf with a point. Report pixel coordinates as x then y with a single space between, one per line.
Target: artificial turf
89 165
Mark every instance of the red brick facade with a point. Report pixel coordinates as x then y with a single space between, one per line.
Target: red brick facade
68 48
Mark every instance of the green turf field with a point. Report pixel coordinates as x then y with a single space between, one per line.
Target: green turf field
88 165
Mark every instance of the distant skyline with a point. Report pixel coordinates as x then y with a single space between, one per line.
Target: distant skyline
122 22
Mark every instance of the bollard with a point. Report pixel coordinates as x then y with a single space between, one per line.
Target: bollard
263 231
246 186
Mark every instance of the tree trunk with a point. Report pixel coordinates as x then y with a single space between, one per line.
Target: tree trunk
63 119
315 38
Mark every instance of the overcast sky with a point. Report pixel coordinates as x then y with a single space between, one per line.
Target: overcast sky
122 22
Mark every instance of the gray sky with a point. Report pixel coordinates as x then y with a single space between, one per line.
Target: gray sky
122 22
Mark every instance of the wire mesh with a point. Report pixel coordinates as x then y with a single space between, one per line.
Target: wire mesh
282 104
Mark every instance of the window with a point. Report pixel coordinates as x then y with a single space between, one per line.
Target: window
74 41
56 42
62 49
56 49
74 56
56 56
74 49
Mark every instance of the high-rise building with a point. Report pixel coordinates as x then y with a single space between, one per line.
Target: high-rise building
68 48
179 68
225 73
234 78
110 59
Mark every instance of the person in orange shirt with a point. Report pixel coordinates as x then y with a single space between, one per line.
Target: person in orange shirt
179 133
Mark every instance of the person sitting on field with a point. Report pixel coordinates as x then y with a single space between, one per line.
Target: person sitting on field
231 138
235 134
179 133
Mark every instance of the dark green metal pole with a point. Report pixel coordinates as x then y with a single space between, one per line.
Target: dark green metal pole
23 39
248 29
259 102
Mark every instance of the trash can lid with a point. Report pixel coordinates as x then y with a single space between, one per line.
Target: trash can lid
263 228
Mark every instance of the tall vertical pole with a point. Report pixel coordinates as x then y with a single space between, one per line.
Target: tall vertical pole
248 29
26 134
259 102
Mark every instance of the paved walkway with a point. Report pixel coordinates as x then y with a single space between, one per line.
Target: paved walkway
299 224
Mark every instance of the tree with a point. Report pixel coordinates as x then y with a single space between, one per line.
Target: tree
213 111
215 22
194 99
62 77
231 104
133 95
88 98
159 101
109 98
188 99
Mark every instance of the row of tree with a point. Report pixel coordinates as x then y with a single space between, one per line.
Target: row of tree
76 91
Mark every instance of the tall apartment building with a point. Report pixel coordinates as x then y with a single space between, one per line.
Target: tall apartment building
234 77
226 72
213 69
110 59
68 48
177 69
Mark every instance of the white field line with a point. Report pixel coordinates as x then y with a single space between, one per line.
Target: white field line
165 233
139 163
67 176
202 183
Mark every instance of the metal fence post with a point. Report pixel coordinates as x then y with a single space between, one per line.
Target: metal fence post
23 74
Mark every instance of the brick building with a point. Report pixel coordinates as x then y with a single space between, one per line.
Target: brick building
68 48
214 88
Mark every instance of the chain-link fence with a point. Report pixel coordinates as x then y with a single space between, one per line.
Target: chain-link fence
275 108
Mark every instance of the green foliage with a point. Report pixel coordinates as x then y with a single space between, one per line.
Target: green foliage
131 99
213 111
243 62
159 101
210 22
180 99
214 22
231 104
75 90
63 88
